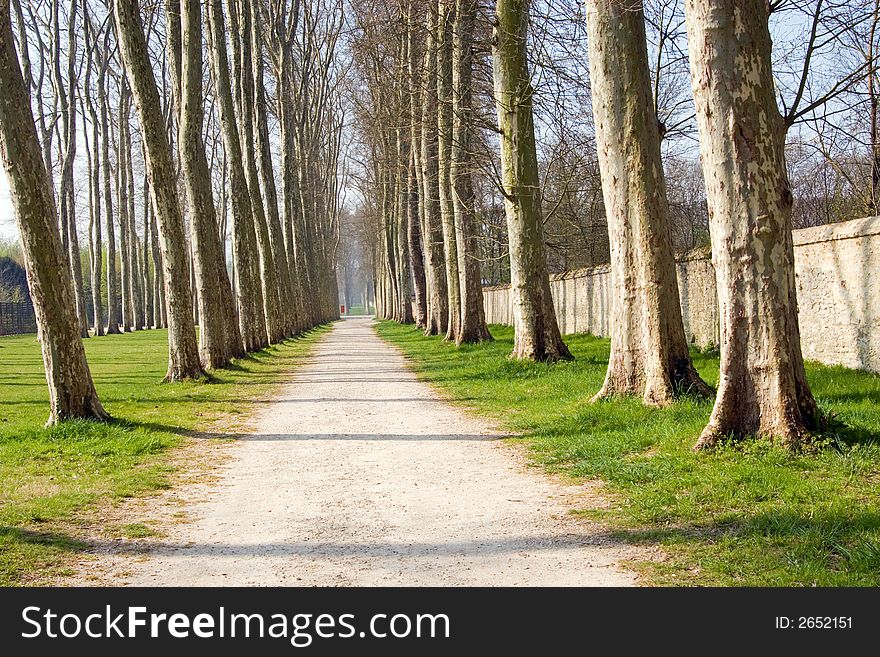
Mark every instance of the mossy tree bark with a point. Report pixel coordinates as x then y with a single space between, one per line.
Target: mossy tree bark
71 389
763 387
445 18
249 289
649 351
536 331
183 355
216 314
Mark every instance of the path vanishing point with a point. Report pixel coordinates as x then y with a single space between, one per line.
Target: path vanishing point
360 474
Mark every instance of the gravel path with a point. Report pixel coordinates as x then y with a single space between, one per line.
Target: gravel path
358 474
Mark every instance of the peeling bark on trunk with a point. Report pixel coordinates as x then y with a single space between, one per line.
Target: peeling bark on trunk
649 351
763 388
159 287
183 356
472 327
536 332
71 390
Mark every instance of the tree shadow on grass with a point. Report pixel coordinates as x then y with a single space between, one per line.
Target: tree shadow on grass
839 434
176 430
10 536
851 396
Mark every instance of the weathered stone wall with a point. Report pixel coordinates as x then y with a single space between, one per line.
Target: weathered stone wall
838 298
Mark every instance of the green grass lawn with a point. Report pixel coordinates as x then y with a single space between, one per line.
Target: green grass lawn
745 514
50 478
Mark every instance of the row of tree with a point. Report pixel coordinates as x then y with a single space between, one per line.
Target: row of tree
210 146
423 65
418 127
825 55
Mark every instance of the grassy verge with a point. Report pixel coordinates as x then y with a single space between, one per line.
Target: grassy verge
747 514
51 477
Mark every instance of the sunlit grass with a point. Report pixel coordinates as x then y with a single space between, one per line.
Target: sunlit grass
745 514
48 476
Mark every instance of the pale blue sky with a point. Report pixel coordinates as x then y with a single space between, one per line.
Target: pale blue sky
787 27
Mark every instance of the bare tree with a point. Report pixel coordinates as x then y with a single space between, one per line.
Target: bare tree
249 289
432 227
183 357
216 314
472 323
537 335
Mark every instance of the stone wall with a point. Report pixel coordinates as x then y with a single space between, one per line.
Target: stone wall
838 299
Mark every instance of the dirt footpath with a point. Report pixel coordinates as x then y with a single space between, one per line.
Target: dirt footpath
359 474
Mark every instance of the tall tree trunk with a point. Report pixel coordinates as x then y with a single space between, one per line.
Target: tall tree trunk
649 351
149 272
763 388
445 17
66 192
95 241
71 390
137 308
161 316
432 231
215 317
290 192
416 252
415 211
536 332
112 301
873 109
266 170
183 356
96 247
244 75
472 326
122 204
249 290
